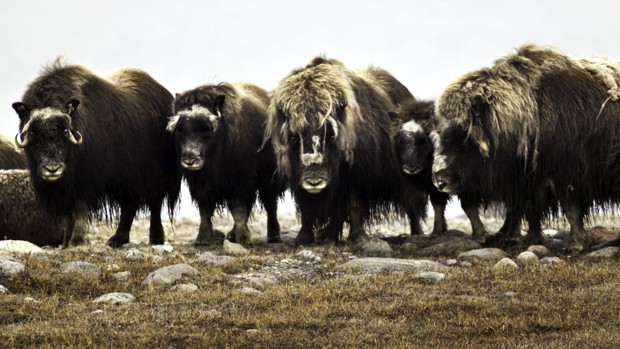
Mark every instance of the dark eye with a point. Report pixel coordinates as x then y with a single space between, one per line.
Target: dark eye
31 134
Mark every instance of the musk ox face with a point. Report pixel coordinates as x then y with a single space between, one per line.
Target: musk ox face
314 156
47 136
458 159
195 130
414 148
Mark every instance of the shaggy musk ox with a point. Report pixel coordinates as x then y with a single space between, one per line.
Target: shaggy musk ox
218 130
413 122
100 145
534 130
331 134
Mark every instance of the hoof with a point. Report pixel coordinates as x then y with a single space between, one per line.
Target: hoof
116 242
274 239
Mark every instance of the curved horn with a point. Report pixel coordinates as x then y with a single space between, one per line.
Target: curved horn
77 141
21 143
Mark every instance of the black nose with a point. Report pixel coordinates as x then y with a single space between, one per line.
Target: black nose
441 185
52 168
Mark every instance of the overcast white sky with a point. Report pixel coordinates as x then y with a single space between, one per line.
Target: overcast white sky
183 44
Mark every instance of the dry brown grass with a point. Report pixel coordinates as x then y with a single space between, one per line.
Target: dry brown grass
573 305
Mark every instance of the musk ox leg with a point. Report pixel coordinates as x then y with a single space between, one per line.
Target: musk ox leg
240 231
578 238
121 237
510 232
439 201
416 211
357 233
156 229
306 233
205 231
470 207
77 227
534 236
270 204
332 232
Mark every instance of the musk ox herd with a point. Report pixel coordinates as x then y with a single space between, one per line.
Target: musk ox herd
536 135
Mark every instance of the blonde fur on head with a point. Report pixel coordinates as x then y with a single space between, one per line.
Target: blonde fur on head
317 94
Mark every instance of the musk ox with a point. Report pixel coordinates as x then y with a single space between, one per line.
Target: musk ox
22 217
413 122
218 131
11 157
532 131
331 134
100 145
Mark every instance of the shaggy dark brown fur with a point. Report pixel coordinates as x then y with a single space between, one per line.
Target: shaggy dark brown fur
11 157
331 133
218 131
533 130
100 145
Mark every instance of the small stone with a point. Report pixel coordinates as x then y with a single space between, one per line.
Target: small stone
483 255
115 298
82 267
157 259
250 291
213 313
551 260
539 250
4 290
235 249
261 282
213 259
20 247
449 247
377 265
169 275
465 264
505 264
510 294
527 257
96 312
10 266
122 276
165 248
603 253
431 275
373 248
30 300
451 262
135 255
184 288
552 233
308 256
113 267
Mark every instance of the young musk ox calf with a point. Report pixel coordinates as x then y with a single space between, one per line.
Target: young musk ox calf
100 145
218 130
331 134
533 130
413 122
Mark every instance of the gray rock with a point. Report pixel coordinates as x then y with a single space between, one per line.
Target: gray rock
431 275
449 247
115 298
213 259
307 256
157 259
165 248
551 260
135 255
539 250
465 264
505 264
235 249
122 276
261 282
510 294
527 257
82 267
373 247
3 290
483 255
96 312
451 262
10 266
552 233
606 252
184 288
20 247
169 275
250 291
377 265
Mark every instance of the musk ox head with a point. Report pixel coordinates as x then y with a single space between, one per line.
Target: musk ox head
47 135
311 123
414 120
199 121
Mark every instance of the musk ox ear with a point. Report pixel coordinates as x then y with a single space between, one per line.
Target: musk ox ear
482 141
72 105
341 106
218 104
22 110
